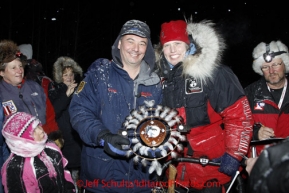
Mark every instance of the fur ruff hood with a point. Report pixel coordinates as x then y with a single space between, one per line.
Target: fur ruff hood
62 62
209 49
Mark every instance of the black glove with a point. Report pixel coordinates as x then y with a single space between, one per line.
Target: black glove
112 143
229 165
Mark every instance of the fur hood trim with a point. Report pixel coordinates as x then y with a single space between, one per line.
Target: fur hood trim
62 62
209 49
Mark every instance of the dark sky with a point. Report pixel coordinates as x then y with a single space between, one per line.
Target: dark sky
86 31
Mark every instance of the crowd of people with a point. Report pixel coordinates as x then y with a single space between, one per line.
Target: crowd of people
62 134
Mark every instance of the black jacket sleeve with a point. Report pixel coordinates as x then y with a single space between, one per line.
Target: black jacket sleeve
58 98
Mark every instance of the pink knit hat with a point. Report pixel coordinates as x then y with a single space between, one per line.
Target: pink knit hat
21 124
174 30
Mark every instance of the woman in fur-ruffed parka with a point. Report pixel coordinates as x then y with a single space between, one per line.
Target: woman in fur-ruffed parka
65 70
210 99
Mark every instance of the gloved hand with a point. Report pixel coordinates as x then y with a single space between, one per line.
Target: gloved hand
154 153
112 143
229 165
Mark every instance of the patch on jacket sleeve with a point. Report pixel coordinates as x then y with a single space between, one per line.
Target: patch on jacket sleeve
9 107
193 86
80 87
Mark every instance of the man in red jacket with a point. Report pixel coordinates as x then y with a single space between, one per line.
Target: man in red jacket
269 96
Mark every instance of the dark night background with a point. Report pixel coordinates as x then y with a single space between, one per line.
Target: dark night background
86 30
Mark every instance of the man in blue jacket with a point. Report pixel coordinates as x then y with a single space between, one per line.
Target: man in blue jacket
100 105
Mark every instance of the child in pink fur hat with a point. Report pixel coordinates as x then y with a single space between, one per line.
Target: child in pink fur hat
35 165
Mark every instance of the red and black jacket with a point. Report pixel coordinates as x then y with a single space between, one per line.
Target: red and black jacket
266 111
218 115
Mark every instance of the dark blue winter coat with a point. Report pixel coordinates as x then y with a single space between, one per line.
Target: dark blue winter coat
103 100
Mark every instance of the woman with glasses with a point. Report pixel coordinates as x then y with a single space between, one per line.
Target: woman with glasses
269 96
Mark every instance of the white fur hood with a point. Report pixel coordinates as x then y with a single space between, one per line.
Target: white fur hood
209 49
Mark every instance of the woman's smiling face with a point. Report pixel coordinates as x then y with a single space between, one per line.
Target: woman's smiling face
174 51
13 73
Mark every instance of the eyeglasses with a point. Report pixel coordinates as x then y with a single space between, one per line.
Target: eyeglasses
274 66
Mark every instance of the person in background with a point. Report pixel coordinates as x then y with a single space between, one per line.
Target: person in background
60 95
18 94
4 151
110 90
34 71
34 164
210 99
269 96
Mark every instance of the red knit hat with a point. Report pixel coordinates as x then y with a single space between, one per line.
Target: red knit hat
174 30
21 124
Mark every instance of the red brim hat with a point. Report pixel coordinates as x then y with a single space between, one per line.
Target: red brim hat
174 31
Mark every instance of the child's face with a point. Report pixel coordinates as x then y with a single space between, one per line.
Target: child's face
38 133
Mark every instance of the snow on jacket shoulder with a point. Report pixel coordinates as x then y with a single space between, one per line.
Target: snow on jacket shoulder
105 97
